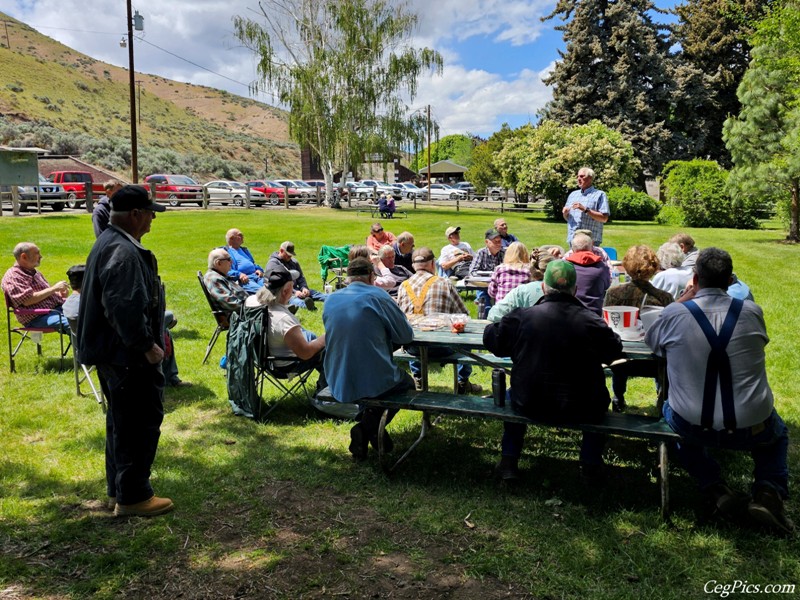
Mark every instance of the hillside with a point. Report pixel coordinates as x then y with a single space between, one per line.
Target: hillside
56 98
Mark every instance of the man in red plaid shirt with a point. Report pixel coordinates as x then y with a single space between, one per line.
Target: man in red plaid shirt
27 288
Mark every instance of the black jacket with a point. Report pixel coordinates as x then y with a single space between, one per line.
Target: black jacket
558 348
292 265
122 302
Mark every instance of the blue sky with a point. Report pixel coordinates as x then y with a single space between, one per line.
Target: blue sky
496 51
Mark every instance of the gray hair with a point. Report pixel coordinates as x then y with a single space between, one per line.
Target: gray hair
670 255
587 171
404 237
386 251
23 248
266 297
230 233
581 242
215 255
111 184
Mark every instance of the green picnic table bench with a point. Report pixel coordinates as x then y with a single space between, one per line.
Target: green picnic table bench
455 360
429 403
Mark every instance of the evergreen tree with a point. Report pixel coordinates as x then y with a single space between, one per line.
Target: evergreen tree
714 51
764 140
616 69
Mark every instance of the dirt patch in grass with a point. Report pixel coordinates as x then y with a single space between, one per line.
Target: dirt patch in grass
287 541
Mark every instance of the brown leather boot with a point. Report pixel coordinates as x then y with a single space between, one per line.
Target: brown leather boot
766 507
148 508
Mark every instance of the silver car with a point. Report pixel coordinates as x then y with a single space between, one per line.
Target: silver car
442 191
50 194
232 192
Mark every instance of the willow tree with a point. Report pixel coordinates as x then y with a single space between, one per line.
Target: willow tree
342 67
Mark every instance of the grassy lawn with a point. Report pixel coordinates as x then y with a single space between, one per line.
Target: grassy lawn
278 510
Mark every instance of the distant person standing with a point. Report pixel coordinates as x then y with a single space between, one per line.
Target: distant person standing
120 330
102 210
586 208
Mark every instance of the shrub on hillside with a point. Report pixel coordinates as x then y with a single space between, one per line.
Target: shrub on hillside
629 205
699 188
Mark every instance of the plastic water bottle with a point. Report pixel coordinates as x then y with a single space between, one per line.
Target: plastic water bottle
481 308
614 276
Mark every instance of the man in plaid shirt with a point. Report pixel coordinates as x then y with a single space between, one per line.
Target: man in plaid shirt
27 288
487 259
425 293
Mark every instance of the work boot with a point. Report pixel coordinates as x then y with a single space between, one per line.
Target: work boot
618 405
111 503
148 508
388 444
766 507
507 469
310 303
467 387
726 502
293 309
359 444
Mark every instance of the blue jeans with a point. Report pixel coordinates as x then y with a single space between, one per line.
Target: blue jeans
592 445
55 319
437 352
314 295
768 444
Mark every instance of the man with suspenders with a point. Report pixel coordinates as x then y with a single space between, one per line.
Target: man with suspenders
719 395
425 293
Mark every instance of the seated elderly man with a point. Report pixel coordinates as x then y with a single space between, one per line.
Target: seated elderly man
593 275
286 337
27 288
719 395
548 380
502 228
226 292
402 250
672 278
390 275
303 296
363 326
379 237
690 251
455 258
488 259
425 293
243 266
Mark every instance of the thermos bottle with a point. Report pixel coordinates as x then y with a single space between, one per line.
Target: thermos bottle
499 387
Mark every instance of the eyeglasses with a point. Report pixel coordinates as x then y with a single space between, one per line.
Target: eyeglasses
227 258
377 231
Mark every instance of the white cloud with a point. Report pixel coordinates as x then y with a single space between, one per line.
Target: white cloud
464 98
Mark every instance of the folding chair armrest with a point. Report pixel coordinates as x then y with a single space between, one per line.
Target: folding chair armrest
31 311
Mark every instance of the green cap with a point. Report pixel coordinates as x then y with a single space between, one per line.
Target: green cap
560 275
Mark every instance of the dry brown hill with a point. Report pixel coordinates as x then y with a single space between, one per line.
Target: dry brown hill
47 88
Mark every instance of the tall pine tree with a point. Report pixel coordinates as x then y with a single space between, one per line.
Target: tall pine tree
616 69
714 53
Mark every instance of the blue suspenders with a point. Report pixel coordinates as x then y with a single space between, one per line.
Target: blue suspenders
718 367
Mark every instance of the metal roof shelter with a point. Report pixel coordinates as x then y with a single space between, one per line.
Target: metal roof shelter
445 169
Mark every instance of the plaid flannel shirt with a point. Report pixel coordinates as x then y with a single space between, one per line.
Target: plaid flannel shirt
484 261
505 278
20 284
442 297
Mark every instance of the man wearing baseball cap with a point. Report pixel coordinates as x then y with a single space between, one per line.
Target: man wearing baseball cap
487 259
303 296
545 384
456 257
120 330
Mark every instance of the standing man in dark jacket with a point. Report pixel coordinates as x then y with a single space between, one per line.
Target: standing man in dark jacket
102 210
558 348
120 327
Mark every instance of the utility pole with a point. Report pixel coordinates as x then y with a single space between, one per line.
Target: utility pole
429 151
132 79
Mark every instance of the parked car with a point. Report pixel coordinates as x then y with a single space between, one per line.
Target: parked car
49 194
496 192
368 187
74 183
274 192
176 188
232 192
306 191
411 191
442 191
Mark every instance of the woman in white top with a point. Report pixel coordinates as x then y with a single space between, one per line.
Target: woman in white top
286 337
673 278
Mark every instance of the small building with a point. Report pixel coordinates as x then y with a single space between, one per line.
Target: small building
445 171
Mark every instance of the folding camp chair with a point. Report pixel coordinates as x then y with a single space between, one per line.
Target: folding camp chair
612 252
30 333
333 263
291 378
83 373
220 316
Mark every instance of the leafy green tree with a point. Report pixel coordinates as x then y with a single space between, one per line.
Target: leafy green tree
544 160
713 39
456 148
483 171
616 69
764 139
341 67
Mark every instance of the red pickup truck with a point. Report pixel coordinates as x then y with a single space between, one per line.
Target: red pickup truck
74 183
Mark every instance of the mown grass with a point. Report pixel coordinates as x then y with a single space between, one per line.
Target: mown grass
264 502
